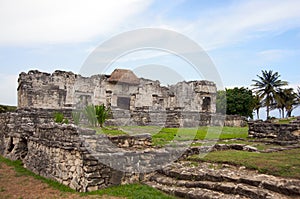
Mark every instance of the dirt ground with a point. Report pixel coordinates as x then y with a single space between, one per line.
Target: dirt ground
13 186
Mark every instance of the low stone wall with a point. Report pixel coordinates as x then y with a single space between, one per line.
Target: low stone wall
261 129
61 152
172 118
143 117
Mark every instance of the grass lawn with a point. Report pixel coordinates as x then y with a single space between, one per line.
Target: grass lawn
166 135
130 191
284 163
162 136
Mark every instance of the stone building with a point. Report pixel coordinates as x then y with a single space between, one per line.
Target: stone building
122 90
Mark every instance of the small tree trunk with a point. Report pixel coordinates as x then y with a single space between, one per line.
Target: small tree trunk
268 111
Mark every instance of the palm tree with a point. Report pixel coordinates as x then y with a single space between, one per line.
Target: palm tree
286 99
257 104
267 86
298 95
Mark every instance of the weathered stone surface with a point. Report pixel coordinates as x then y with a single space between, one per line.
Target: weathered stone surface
187 104
58 151
56 90
285 132
211 180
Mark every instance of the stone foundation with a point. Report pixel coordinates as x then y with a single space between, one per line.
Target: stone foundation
285 132
60 152
172 118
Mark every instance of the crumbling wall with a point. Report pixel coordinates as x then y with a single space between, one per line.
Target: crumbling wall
175 118
66 89
60 152
260 129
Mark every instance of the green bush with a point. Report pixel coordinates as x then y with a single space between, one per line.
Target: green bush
76 115
60 118
96 114
90 114
101 114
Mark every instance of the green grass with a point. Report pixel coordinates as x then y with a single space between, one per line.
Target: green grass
130 191
134 130
166 135
21 171
286 120
284 163
133 191
162 136
108 130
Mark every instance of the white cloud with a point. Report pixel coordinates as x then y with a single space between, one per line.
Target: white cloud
8 89
243 20
294 86
57 21
275 54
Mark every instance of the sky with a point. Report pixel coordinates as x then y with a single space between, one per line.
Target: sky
240 37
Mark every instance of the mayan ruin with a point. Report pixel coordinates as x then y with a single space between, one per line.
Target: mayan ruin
120 90
148 99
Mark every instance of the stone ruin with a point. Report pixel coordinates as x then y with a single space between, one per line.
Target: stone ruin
132 100
120 90
276 131
63 152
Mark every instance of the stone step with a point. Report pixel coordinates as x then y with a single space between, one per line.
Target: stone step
284 186
231 188
193 193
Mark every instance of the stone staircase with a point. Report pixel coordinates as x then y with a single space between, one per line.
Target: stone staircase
208 180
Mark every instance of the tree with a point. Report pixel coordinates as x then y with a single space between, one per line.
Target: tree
257 104
240 101
267 86
221 102
298 95
286 99
291 101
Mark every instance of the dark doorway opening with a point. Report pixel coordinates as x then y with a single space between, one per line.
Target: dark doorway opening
206 104
123 103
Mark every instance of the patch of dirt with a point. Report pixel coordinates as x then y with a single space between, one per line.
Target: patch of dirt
14 186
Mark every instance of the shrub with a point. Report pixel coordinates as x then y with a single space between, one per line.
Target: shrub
101 114
76 115
96 114
59 118
90 114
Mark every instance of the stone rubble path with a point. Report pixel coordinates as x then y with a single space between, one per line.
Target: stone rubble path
209 180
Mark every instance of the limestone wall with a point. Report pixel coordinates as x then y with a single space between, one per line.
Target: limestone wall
78 157
66 89
172 118
273 130
61 152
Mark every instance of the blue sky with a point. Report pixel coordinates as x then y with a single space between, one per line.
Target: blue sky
241 37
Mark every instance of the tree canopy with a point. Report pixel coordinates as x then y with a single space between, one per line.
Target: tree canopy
267 87
236 101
